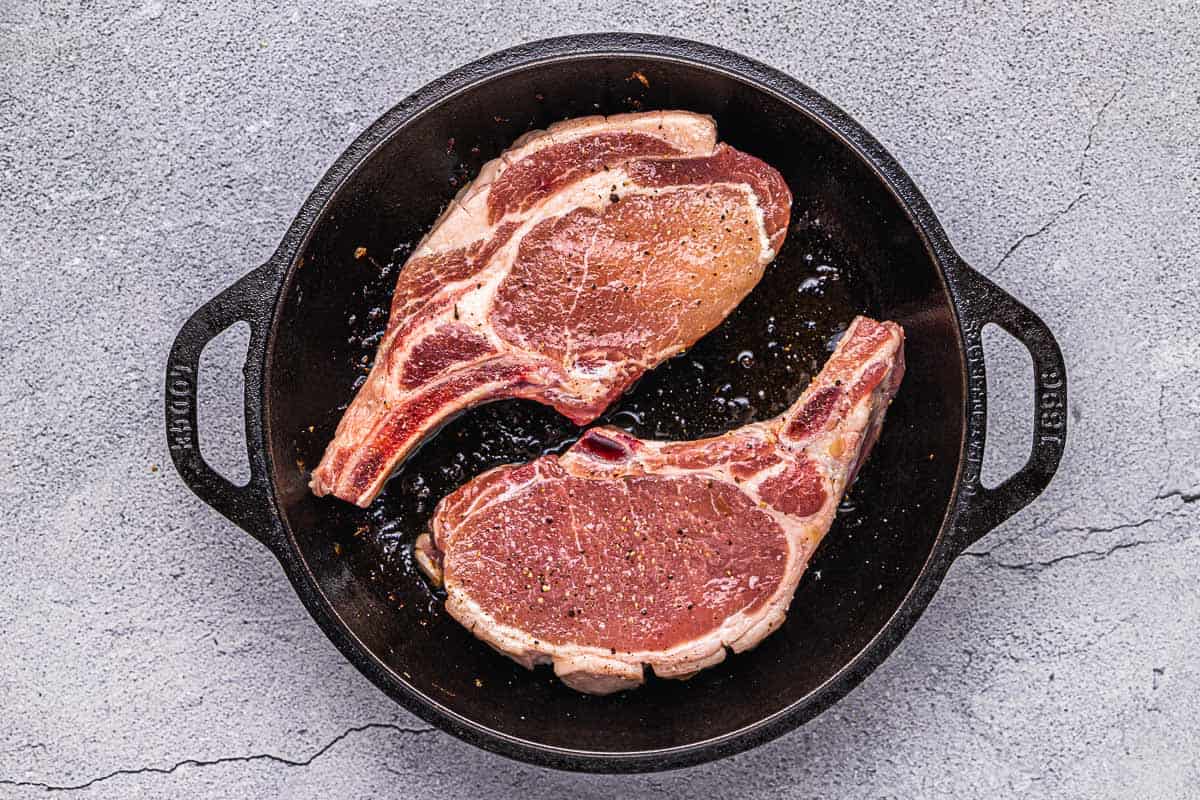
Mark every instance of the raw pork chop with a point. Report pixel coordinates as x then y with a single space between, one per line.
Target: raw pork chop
583 256
622 553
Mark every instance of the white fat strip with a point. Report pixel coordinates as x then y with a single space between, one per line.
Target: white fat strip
764 241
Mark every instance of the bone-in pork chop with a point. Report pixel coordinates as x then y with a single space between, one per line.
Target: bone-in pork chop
623 553
583 256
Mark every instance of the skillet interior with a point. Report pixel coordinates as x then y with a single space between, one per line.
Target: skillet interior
851 249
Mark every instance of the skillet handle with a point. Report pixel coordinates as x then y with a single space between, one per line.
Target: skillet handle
984 509
248 300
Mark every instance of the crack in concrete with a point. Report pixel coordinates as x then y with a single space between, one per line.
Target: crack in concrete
1187 497
1091 555
1038 566
1096 122
1025 237
1162 426
193 762
1094 126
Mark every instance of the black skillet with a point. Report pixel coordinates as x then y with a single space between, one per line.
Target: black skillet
862 240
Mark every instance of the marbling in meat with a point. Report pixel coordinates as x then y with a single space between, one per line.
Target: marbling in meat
623 552
581 257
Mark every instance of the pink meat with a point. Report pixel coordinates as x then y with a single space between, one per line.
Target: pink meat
583 256
623 552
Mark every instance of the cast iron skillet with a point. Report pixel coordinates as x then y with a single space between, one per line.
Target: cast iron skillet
862 240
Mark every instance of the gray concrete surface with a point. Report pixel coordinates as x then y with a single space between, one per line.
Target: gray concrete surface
150 153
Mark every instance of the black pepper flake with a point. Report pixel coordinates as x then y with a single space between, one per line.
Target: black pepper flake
614 198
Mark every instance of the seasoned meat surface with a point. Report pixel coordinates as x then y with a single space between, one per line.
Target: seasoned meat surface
624 552
581 257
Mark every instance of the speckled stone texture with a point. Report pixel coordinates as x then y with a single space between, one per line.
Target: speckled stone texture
152 153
